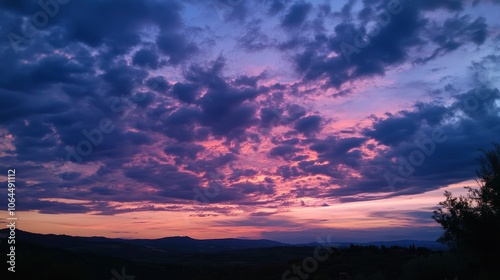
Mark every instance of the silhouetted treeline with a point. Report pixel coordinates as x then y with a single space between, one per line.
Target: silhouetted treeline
471 222
353 262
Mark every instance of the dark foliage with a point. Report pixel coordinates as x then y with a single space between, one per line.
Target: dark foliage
472 222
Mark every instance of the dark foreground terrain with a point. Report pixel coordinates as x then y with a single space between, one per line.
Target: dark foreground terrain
70 258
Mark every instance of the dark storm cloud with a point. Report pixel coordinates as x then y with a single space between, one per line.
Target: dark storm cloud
58 85
471 122
287 172
275 7
98 23
107 145
39 74
403 126
456 32
17 7
52 207
452 5
284 151
179 124
122 79
69 176
218 102
250 81
185 92
211 165
300 158
311 167
180 184
254 39
146 58
238 173
236 11
249 188
308 125
35 129
269 116
436 153
89 65
184 150
104 191
305 191
391 131
158 84
401 28
346 11
225 110
38 144
296 15
389 47
93 59
339 151
176 47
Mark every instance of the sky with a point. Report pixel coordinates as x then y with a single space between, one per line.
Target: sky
274 119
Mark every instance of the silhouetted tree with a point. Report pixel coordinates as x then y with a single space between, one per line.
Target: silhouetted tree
413 249
471 223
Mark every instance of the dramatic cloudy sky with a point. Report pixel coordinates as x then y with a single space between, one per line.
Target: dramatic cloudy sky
285 120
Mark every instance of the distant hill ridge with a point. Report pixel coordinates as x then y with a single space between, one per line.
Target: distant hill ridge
178 244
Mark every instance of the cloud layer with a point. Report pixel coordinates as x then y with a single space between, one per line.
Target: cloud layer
251 109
